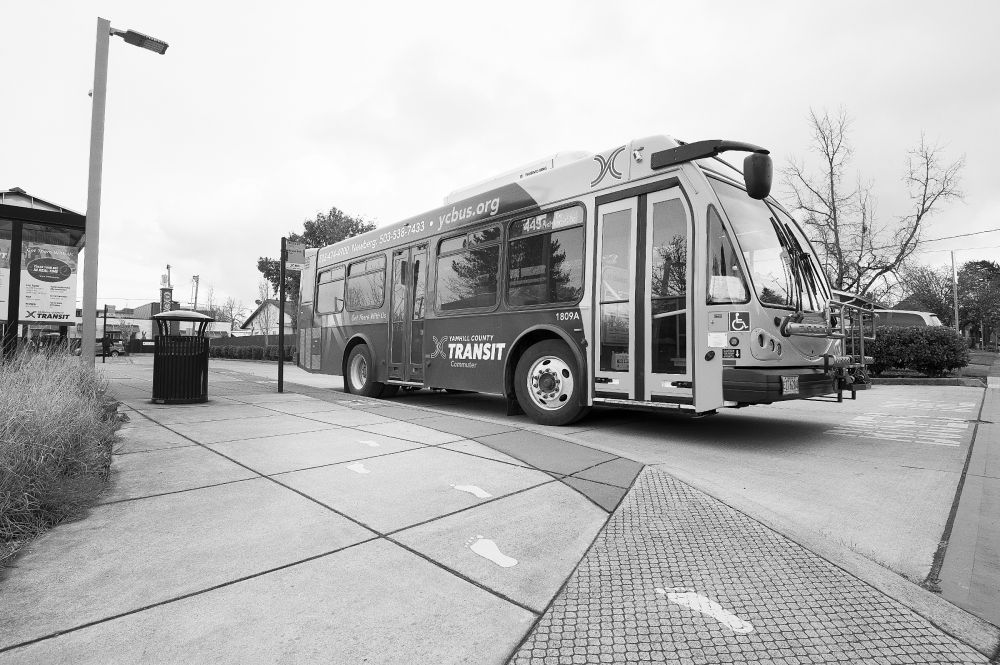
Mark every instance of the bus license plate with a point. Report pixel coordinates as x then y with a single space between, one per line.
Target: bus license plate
789 385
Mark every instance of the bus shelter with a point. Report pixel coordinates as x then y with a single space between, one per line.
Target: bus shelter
40 244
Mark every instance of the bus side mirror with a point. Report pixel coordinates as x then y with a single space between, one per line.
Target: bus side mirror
757 175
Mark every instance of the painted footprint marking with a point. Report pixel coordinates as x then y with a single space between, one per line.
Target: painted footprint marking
477 492
700 603
487 549
358 467
370 444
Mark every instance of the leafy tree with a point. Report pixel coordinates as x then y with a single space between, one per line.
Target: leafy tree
325 229
927 289
860 252
979 297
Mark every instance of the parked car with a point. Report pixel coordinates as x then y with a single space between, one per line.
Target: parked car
115 348
905 318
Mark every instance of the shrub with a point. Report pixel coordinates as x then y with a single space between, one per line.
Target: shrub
248 352
930 350
56 439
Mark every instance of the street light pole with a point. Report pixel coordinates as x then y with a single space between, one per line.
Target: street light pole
93 228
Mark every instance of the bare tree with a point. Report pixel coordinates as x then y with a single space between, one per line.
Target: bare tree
265 318
860 253
210 304
232 311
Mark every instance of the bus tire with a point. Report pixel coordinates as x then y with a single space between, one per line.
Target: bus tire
359 379
548 384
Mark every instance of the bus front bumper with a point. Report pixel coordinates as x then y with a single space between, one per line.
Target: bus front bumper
763 386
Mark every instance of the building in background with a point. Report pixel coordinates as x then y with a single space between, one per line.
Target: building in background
264 319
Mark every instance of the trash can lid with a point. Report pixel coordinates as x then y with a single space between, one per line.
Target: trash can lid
182 315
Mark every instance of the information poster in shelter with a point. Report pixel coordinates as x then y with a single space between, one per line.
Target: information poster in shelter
48 282
4 276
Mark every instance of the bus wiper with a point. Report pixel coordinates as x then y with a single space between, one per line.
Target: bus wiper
793 260
806 264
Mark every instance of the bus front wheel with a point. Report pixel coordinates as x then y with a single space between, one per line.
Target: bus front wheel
360 376
548 384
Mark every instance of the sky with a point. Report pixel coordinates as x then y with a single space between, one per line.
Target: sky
261 114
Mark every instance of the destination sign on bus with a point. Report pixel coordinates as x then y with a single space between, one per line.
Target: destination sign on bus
550 221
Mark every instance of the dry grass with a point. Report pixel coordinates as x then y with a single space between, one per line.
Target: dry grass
56 439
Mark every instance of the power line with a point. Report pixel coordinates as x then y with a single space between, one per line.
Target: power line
960 235
958 249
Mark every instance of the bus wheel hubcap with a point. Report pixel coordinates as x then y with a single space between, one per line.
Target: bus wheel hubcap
359 372
550 383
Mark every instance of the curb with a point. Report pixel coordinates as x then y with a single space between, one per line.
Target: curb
923 381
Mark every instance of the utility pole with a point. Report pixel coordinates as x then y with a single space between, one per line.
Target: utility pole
281 318
104 337
954 290
194 306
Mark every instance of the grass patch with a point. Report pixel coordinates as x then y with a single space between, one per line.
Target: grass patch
57 431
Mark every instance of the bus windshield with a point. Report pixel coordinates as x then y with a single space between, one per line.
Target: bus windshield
781 268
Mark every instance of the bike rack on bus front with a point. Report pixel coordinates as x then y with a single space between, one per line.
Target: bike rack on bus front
851 319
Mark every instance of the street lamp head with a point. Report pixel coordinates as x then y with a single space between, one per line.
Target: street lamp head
144 41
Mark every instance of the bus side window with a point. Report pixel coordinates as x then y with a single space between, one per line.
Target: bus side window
467 278
330 291
366 284
906 319
545 258
726 281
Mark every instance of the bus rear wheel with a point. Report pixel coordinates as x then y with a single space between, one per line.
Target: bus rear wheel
359 379
548 384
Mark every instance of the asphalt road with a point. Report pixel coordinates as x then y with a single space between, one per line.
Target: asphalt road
877 475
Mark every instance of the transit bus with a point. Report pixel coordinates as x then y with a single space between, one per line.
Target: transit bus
652 275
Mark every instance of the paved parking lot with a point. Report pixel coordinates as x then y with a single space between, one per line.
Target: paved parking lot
316 526
877 475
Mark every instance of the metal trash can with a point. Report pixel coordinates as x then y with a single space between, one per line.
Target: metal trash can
180 362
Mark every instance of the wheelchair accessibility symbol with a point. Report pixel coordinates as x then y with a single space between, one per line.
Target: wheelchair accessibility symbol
739 321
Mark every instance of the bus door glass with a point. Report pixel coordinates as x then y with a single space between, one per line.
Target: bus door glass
406 322
667 287
644 276
616 241
418 261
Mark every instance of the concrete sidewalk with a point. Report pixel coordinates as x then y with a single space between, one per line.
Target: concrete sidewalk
970 574
315 526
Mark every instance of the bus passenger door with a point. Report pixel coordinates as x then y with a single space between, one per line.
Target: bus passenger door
643 328
406 314
668 277
418 259
614 366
